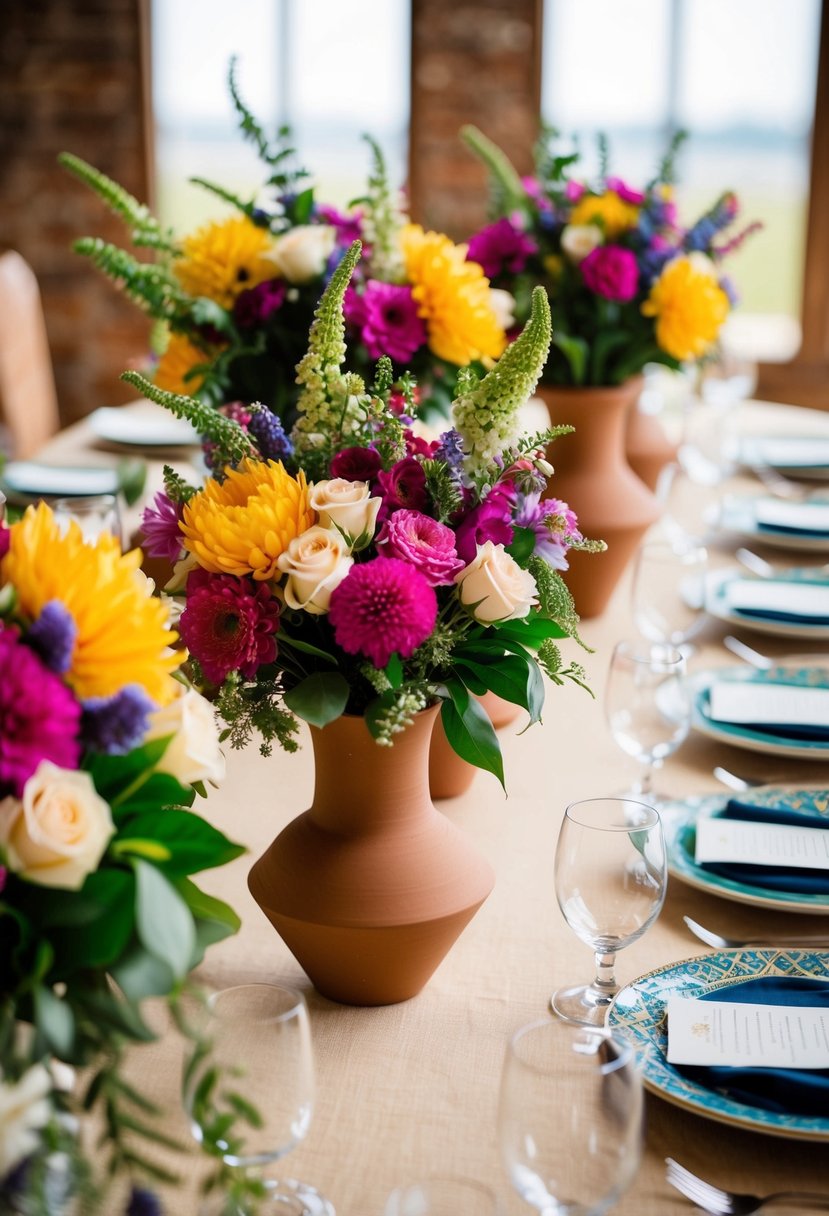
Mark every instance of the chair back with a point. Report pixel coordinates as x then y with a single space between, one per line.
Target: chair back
28 401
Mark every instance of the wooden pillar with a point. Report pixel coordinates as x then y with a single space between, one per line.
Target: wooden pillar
471 63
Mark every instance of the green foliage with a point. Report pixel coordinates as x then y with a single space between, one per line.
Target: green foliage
145 228
381 219
469 730
442 488
319 698
148 284
507 193
276 156
249 709
231 442
176 488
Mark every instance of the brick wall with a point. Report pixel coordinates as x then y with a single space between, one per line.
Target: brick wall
72 74
471 62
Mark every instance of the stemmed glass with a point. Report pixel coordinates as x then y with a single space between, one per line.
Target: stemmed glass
610 880
576 1157
647 707
668 590
442 1196
249 1093
94 513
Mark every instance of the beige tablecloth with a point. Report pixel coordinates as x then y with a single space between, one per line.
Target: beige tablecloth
412 1089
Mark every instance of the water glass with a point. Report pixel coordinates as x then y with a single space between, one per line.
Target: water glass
94 514
443 1196
570 1118
668 590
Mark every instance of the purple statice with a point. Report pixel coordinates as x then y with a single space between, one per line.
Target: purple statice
450 449
698 238
721 251
115 725
255 306
554 523
53 635
501 248
728 286
391 323
653 259
349 228
160 528
143 1202
271 440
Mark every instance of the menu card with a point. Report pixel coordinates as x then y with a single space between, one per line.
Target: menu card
792 516
774 704
763 595
740 1035
761 844
787 451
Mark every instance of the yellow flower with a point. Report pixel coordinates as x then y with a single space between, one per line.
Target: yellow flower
612 213
178 359
241 525
689 306
122 636
553 265
452 297
222 259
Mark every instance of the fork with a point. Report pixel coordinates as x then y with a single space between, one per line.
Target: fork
718 1202
718 942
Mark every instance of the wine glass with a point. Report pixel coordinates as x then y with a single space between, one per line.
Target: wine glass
249 1094
443 1196
668 590
94 513
610 880
579 1156
647 706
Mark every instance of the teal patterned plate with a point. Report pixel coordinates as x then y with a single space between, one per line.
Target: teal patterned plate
679 822
638 1014
748 737
716 603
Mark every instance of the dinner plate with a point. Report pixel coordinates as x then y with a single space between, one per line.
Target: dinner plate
716 603
142 428
639 1014
793 455
739 735
29 479
679 821
735 514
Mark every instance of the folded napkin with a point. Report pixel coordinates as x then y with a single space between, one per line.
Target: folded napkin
786 451
788 1091
794 601
775 708
793 518
773 878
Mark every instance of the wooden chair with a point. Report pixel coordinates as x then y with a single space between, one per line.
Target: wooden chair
28 401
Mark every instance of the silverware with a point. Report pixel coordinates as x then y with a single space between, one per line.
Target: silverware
718 942
733 782
753 562
718 1202
747 653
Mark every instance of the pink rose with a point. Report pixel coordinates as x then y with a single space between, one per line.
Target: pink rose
428 545
611 271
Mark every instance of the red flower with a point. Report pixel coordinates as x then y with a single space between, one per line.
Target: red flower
229 623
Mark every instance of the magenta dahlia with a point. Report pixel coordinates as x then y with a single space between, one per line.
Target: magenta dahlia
612 272
39 716
229 624
425 543
391 324
383 607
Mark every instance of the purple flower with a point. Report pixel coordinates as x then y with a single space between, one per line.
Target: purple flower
143 1202
356 464
52 635
611 272
391 324
159 528
115 725
3 875
450 449
255 306
573 191
490 520
404 485
421 540
533 190
554 524
354 308
349 227
500 247
39 716
382 607
5 539
625 192
269 433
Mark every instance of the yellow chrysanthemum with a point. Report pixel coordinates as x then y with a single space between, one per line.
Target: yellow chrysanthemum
689 306
452 296
222 259
178 359
612 213
241 525
122 636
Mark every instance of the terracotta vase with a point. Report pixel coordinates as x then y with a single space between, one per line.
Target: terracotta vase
647 446
593 476
449 775
370 887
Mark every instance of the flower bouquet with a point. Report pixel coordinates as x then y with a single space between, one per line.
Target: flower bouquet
371 572
102 751
234 300
628 284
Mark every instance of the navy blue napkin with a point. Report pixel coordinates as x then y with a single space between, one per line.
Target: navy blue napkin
791 618
787 1091
777 878
790 530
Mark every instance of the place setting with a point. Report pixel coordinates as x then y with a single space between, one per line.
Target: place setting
788 602
801 525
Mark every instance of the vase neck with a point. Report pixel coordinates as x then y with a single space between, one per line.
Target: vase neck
599 416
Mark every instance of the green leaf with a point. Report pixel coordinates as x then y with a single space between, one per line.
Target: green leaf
523 544
302 206
163 920
207 907
514 678
139 975
575 351
319 698
190 843
132 476
306 648
469 730
394 670
531 630
112 774
103 927
55 1021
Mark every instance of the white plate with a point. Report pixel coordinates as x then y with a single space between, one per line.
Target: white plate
736 515
142 428
700 682
33 480
716 604
793 455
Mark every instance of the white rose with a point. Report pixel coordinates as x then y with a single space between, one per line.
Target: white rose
301 254
193 753
58 832
577 240
24 1109
503 305
346 505
316 562
497 586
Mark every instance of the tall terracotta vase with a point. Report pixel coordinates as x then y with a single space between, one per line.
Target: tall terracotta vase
593 476
370 887
647 446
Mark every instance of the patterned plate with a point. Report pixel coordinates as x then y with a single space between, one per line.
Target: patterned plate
716 604
736 515
679 819
700 683
638 1014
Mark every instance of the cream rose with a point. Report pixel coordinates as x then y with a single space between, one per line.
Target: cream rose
316 562
24 1109
577 240
495 586
503 305
58 832
193 753
301 254
345 505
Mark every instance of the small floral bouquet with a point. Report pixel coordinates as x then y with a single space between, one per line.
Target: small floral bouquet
235 299
372 572
102 751
628 285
